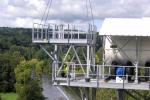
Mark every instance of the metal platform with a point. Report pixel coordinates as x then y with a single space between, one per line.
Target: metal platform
110 84
100 79
64 34
81 68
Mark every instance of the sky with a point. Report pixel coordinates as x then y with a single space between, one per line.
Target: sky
23 13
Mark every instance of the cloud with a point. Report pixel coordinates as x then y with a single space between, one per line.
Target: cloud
3 3
21 13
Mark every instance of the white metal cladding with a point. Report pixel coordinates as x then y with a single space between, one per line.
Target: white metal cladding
126 27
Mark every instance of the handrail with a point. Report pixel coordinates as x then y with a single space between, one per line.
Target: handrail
62 31
98 74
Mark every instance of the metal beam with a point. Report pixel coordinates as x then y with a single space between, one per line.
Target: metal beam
120 48
73 56
101 72
53 72
93 58
81 93
47 53
137 60
98 74
88 61
56 60
93 94
86 93
33 32
121 95
78 59
64 59
135 98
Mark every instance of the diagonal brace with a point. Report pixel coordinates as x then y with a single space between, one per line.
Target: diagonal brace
47 53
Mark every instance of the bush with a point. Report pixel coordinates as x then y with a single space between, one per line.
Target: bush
31 91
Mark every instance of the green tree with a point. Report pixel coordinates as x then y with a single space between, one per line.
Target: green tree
27 76
7 75
31 91
98 56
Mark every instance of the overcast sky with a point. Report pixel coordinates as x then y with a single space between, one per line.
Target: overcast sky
22 13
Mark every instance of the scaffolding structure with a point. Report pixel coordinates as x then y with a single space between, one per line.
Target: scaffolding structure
81 72
77 66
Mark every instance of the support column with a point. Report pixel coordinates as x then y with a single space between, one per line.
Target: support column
93 58
102 68
55 62
136 73
88 61
121 94
137 61
93 94
85 95
55 51
53 71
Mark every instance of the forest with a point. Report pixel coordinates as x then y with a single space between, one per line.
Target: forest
23 63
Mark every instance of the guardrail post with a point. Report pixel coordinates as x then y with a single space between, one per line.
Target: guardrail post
136 73
46 33
98 76
33 33
88 61
68 74
137 59
41 32
38 32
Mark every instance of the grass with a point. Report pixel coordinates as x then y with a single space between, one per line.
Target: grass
9 96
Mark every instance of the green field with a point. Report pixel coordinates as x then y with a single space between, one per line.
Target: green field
8 96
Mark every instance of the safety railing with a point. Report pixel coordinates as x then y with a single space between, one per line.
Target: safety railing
107 73
45 33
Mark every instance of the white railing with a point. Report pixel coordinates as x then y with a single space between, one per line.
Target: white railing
63 31
102 72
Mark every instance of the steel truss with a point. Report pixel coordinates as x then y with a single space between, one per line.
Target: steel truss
79 56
